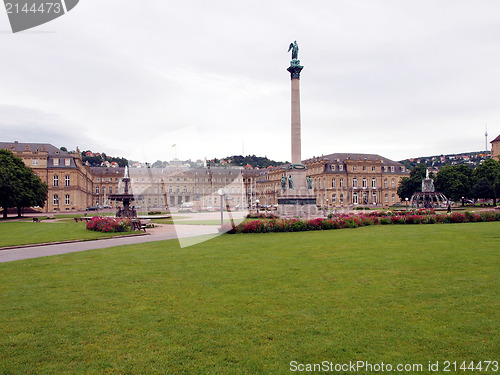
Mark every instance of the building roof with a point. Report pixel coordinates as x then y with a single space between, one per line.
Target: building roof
497 139
44 147
342 157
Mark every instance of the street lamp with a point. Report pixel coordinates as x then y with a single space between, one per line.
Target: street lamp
257 203
221 194
406 199
462 201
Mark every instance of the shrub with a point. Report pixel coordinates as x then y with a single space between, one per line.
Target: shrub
490 216
339 221
108 224
384 221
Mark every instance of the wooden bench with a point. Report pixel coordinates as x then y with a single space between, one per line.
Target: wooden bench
36 220
139 225
85 218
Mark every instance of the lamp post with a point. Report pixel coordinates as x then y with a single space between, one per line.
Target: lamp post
221 194
462 201
406 199
257 203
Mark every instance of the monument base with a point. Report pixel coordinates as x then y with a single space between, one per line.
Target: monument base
299 201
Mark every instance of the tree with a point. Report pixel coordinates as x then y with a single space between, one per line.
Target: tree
455 181
19 186
410 185
485 176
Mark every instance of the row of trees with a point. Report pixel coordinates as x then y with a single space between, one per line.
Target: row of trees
457 181
19 186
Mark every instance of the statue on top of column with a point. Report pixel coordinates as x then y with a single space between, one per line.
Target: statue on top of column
295 50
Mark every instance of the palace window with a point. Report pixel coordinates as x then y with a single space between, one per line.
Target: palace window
393 198
374 169
110 190
56 181
385 168
55 162
355 182
393 183
334 198
355 198
66 199
34 162
364 168
374 198
402 169
66 180
341 183
365 182
97 189
334 182
374 183
392 168
341 198
387 198
56 200
67 162
333 167
354 168
341 167
385 183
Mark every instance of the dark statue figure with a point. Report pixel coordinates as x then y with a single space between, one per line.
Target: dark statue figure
290 182
309 182
295 50
283 183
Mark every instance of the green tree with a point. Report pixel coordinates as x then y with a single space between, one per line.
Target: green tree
455 181
19 186
410 185
485 180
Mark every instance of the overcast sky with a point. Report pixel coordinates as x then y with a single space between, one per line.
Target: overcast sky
396 78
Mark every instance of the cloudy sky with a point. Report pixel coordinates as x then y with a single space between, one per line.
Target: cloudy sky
396 78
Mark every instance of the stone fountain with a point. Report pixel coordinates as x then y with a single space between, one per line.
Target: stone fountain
428 197
125 198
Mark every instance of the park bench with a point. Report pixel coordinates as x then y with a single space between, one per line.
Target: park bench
140 224
85 218
36 220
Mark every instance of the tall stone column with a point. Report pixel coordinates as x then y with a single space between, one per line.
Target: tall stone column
294 70
297 198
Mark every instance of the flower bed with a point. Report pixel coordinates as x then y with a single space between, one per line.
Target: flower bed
108 224
339 221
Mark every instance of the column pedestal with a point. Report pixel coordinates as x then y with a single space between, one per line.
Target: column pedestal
299 201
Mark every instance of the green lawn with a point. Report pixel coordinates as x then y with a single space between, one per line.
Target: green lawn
23 233
251 304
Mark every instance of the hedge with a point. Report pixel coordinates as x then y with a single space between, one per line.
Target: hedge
355 220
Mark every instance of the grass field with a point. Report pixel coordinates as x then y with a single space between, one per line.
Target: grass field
23 233
251 304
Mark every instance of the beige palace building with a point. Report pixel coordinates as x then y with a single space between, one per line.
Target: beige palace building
339 180
342 180
68 178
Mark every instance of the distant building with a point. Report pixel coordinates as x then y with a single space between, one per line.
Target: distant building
342 180
495 148
68 178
